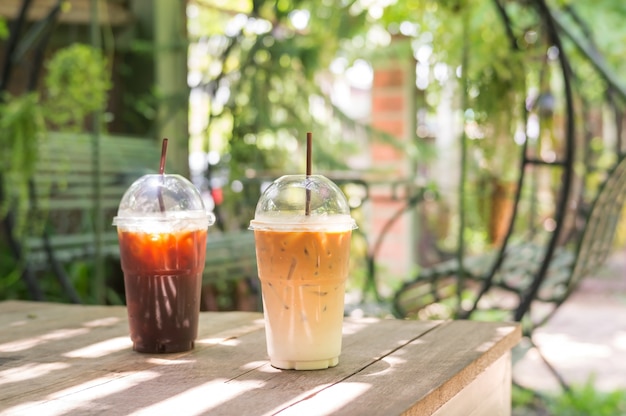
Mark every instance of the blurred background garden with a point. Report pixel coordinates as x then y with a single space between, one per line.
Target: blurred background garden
460 131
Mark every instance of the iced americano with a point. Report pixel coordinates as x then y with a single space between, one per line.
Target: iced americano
162 279
162 230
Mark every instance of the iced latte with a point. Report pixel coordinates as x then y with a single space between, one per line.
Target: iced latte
303 264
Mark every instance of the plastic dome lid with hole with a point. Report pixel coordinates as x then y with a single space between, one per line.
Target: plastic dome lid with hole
284 205
163 199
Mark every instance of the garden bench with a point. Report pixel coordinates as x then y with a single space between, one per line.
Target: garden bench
61 218
230 272
505 294
509 285
64 197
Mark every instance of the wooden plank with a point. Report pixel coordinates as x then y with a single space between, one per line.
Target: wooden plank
73 163
76 243
365 341
78 204
72 239
230 256
65 350
214 359
64 188
82 189
77 359
450 358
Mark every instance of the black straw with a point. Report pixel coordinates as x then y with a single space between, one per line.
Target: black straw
309 140
162 173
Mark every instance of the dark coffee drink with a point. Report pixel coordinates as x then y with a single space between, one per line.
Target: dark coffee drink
162 278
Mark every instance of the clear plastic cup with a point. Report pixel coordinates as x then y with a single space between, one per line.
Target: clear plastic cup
162 228
303 261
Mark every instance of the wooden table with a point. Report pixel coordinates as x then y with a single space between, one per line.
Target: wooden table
59 359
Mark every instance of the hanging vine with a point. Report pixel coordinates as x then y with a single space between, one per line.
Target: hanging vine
21 127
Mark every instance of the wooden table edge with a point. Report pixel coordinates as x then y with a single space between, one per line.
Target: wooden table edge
454 385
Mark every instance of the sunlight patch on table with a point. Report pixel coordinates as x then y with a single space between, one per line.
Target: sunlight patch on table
230 342
24 344
220 391
80 396
29 371
106 386
253 365
168 361
411 341
502 331
229 334
110 321
233 342
325 402
101 349
392 363
354 326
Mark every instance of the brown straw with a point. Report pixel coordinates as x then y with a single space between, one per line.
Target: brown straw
307 206
162 173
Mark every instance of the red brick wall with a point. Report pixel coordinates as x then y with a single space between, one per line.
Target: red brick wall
392 94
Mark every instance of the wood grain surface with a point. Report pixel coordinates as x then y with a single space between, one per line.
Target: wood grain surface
60 359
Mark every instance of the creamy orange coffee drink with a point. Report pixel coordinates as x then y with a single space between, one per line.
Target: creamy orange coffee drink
303 263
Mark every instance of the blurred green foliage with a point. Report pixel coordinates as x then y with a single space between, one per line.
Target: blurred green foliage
76 84
584 399
68 72
4 29
21 125
265 67
262 74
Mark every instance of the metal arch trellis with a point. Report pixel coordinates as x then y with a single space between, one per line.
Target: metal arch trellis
556 30
460 254
553 26
567 164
